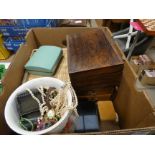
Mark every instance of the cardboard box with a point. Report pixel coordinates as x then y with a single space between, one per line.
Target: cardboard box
136 113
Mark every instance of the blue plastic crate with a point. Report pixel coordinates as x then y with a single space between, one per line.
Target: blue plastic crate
29 23
13 43
12 30
53 22
20 27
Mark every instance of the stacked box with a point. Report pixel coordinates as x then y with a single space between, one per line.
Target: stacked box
19 27
11 29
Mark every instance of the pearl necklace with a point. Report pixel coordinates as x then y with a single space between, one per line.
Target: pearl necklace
42 106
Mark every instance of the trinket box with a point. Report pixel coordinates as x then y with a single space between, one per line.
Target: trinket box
88 117
79 124
147 77
108 117
27 107
106 111
93 64
44 61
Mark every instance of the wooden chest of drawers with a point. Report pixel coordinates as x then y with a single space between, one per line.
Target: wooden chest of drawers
93 65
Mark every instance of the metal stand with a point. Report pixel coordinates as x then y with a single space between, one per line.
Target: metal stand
133 45
128 35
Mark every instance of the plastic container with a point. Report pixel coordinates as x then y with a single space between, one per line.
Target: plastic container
4 53
29 23
19 27
11 114
13 43
1 40
13 30
54 22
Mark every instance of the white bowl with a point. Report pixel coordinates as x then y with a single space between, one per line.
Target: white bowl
11 114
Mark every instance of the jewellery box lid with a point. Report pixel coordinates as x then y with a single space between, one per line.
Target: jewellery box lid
44 59
90 51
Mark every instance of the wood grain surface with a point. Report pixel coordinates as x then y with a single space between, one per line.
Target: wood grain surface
90 50
94 67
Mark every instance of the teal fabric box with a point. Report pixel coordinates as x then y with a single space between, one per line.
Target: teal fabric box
44 61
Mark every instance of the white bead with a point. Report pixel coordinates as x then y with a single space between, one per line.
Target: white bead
50 114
